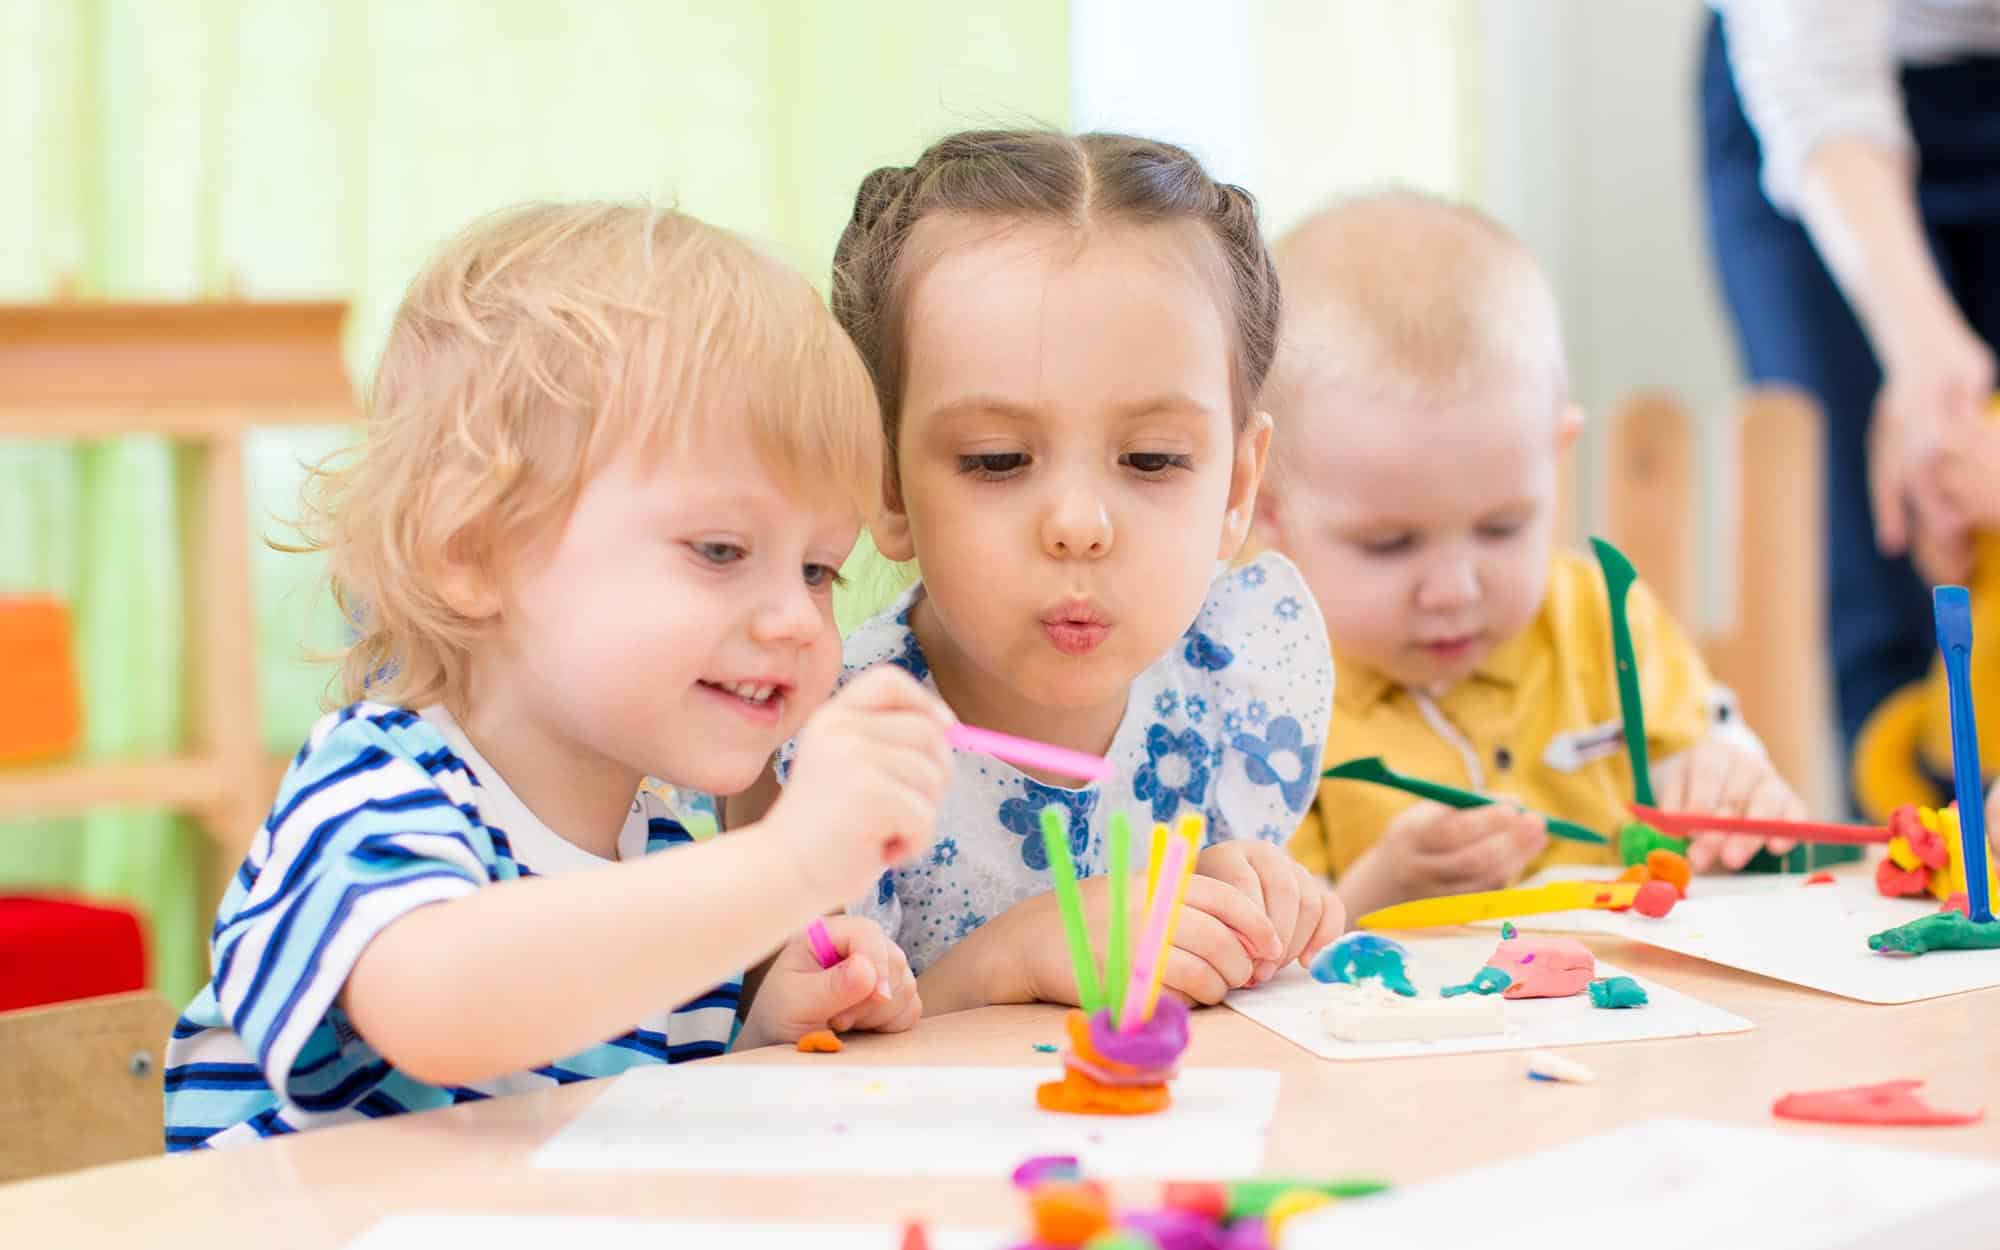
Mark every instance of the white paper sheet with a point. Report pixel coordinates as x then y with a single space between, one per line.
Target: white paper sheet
1810 935
1290 1007
432 1230
836 1119
1669 1184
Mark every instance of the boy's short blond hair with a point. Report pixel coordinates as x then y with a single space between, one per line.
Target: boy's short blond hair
536 345
1403 295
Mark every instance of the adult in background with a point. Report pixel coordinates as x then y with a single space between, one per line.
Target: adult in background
1852 162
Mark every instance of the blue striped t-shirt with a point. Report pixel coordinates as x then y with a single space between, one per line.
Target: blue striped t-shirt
383 810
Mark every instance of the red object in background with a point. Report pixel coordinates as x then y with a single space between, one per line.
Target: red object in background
53 950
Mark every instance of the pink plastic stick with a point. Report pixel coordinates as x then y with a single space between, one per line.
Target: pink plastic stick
1151 946
1028 754
822 944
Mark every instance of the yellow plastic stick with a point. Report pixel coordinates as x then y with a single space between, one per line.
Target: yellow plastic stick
1425 913
1191 830
1153 858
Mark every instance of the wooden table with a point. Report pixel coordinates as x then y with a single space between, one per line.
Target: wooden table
1405 1120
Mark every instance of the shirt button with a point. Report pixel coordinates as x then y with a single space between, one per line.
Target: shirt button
1503 759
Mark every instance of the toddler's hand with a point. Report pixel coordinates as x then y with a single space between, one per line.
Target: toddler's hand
871 768
1304 914
1429 849
869 989
1723 778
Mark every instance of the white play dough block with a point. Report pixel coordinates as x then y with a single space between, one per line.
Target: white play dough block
1370 1013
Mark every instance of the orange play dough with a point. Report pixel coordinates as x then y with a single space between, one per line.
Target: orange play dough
1079 1095
820 1042
1068 1213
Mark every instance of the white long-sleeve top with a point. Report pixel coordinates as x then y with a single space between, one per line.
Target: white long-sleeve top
1813 70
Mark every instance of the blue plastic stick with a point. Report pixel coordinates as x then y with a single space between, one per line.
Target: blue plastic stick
1953 610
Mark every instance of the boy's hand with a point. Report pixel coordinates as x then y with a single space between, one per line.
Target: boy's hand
869 989
1723 778
871 768
1429 849
1303 913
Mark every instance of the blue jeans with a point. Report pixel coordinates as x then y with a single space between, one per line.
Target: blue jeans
1793 326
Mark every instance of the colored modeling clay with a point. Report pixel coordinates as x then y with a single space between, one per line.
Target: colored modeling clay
1484 981
1942 931
1819 878
1636 840
1289 1205
1068 1213
1546 1065
820 1042
1108 1072
1671 867
1046 1048
1369 1013
1123 1239
914 1237
1958 903
1363 957
1545 967
1166 1230
1252 1199
1656 899
1033 1171
1204 1198
1617 992
1892 1102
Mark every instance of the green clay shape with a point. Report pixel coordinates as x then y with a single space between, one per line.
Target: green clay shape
1636 838
1943 931
1617 992
1488 980
1362 957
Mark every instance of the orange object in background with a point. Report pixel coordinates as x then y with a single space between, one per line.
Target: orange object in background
41 712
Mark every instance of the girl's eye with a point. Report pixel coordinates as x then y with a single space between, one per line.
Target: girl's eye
1155 463
824 577
1500 529
718 553
992 465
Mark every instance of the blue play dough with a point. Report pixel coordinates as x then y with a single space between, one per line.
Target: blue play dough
1362 957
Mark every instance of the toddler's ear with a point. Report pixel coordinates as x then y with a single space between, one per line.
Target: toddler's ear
1569 424
464 577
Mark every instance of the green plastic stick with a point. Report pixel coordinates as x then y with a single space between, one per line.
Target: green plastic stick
1118 954
1055 838
1372 769
1618 578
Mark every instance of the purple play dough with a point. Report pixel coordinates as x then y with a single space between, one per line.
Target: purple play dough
1039 1168
1176 1230
1246 1235
1155 1043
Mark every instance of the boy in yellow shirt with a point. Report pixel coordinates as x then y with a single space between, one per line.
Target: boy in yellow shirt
1421 406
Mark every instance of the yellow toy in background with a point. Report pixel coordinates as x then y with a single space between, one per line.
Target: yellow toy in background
1903 754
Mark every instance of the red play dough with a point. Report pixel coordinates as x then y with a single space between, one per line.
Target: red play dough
1896 883
1656 898
1958 903
1891 1102
1820 878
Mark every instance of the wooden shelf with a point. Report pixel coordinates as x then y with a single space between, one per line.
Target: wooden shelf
182 783
202 375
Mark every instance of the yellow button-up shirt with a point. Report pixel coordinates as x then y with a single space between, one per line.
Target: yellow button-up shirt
1538 721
